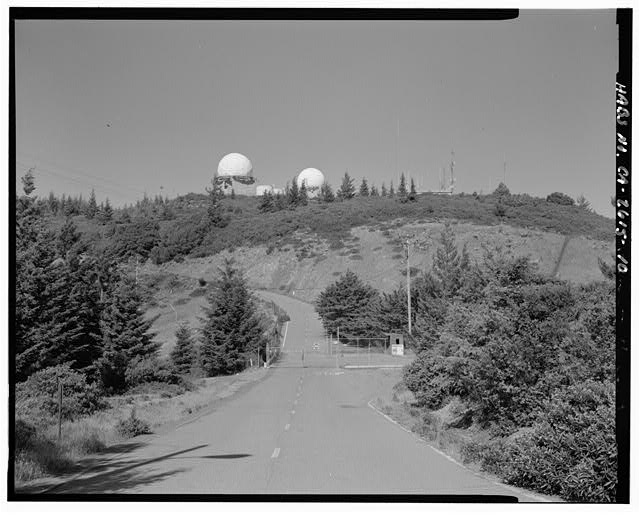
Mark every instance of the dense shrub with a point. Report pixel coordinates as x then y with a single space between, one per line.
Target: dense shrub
532 359
560 198
37 397
132 426
150 370
24 434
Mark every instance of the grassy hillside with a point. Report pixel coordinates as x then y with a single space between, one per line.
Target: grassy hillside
308 263
332 222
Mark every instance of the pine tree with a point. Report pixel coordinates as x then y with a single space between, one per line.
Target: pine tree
402 189
233 330
68 209
303 196
279 202
583 203
392 192
383 190
326 192
67 237
92 206
125 333
374 191
502 191
347 189
183 354
215 217
266 202
413 193
105 214
293 194
449 265
28 182
53 203
364 188
233 193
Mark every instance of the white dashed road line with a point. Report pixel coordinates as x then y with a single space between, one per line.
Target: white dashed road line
276 452
286 428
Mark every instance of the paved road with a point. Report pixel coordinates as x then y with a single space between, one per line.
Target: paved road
299 430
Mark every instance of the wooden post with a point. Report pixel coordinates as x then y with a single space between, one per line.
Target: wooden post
59 410
408 289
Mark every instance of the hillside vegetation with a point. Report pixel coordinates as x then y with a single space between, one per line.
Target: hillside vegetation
523 362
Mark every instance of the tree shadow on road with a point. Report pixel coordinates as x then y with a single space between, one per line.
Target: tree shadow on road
109 475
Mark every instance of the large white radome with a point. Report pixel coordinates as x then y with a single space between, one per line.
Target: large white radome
313 179
235 165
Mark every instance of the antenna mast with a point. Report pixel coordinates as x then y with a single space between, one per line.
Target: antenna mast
452 179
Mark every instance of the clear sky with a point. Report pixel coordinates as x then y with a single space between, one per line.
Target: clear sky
128 106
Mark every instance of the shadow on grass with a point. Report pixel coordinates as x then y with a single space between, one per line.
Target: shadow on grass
106 475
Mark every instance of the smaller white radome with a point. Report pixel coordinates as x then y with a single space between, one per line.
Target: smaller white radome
313 180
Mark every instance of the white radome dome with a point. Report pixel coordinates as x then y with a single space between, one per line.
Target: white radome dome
235 165
313 179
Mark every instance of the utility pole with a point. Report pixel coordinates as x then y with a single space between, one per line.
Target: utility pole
504 170
408 247
409 242
398 153
59 410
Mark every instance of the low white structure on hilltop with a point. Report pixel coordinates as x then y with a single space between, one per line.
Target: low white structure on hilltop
313 180
268 188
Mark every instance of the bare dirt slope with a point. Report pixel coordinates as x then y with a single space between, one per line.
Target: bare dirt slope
374 253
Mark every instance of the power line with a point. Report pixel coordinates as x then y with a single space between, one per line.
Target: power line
81 182
71 171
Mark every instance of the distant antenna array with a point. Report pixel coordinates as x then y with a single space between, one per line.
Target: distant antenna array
444 188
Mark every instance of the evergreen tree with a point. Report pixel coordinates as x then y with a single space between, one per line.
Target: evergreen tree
293 194
402 189
183 354
68 209
92 206
53 203
326 192
215 217
502 191
449 265
347 189
413 193
62 206
279 202
28 182
303 196
125 333
583 203
233 193
374 191
49 310
364 188
233 330
348 304
266 202
67 237
392 192
383 190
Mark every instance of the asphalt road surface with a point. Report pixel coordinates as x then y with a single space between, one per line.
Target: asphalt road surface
300 430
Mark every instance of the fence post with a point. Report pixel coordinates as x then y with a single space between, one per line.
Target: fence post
59 409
